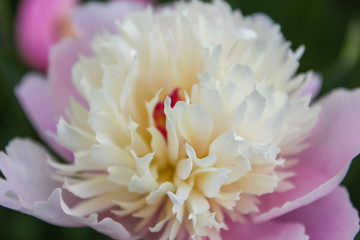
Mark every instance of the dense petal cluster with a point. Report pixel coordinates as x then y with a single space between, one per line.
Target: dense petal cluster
187 121
227 139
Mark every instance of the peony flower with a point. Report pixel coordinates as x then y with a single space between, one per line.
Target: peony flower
185 122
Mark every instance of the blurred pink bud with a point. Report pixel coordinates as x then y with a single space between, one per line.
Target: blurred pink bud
40 24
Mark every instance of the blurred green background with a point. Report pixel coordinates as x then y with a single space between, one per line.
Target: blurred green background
330 30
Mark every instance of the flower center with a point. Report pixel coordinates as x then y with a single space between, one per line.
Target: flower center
159 115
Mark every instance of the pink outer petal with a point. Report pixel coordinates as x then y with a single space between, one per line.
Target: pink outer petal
25 169
60 87
265 231
334 142
138 1
32 94
312 86
55 211
332 217
107 15
30 188
37 28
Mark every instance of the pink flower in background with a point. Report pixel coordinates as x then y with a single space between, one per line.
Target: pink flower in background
178 123
40 24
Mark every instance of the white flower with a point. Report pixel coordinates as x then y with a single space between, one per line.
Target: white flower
192 113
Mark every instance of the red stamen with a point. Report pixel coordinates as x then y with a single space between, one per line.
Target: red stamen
159 115
174 96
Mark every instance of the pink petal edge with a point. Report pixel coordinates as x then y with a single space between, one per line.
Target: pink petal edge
271 230
332 217
145 2
30 188
63 56
312 86
32 95
334 142
107 14
24 167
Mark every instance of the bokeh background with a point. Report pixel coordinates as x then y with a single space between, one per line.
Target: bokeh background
329 29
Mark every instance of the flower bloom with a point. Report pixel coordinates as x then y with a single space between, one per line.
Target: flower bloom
186 122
